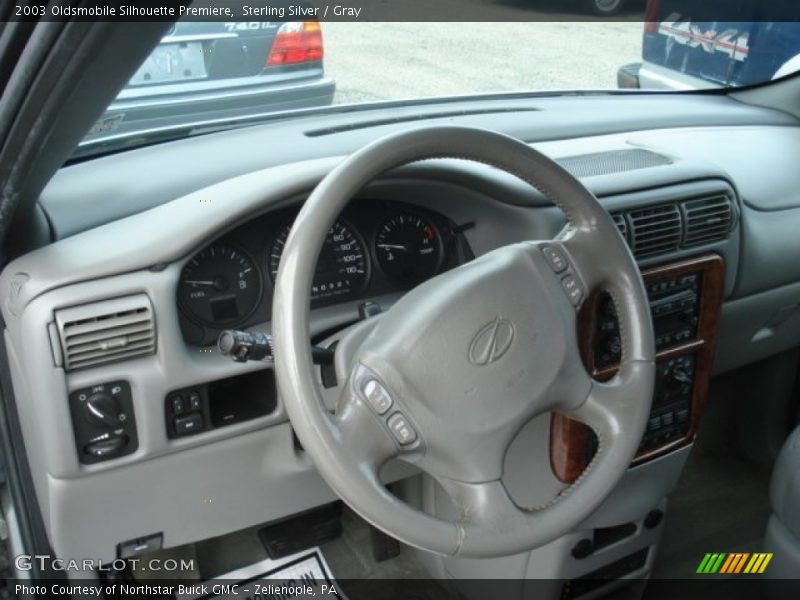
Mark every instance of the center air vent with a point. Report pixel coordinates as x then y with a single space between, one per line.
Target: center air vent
106 332
708 219
622 225
655 229
682 223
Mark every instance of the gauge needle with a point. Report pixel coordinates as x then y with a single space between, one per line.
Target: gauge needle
199 282
393 247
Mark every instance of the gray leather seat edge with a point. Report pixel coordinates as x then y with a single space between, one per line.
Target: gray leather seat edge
783 529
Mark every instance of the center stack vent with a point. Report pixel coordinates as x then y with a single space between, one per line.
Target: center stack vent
671 226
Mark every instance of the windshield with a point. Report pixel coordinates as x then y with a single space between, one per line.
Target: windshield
214 75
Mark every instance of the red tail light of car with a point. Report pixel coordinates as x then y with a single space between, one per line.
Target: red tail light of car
651 16
296 42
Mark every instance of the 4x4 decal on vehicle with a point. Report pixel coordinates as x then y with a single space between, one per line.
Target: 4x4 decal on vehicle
730 41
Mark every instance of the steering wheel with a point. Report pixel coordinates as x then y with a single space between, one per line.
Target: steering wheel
451 373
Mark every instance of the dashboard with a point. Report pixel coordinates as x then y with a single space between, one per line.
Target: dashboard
193 249
376 247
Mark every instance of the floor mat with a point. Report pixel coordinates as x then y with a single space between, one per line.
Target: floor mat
721 504
349 559
302 575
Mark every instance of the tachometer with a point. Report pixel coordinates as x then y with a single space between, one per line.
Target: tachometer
220 285
408 247
342 267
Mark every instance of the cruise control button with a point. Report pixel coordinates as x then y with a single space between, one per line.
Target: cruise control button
558 262
401 429
573 289
377 396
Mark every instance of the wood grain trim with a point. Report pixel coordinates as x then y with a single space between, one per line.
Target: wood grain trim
572 442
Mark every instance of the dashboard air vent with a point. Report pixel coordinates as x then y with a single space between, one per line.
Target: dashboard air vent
707 219
622 225
105 332
655 230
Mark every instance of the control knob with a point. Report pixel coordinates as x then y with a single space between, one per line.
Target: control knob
103 410
679 380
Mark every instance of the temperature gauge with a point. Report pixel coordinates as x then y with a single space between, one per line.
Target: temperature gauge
408 248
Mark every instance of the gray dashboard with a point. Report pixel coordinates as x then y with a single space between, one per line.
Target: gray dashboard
122 234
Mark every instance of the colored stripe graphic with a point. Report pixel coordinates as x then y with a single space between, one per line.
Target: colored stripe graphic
711 563
734 563
763 566
740 562
728 562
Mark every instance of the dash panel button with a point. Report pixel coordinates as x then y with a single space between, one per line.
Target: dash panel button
401 429
377 396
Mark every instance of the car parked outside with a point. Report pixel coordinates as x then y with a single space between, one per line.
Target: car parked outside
207 71
680 52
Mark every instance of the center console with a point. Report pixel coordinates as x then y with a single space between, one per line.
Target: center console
685 303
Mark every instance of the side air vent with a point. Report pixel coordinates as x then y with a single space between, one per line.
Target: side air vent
707 219
622 225
655 230
105 332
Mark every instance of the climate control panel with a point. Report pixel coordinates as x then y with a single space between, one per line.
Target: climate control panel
672 402
675 307
103 421
685 300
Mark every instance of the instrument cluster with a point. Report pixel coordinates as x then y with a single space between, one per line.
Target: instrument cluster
375 247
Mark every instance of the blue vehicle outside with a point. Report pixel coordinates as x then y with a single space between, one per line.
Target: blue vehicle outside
680 51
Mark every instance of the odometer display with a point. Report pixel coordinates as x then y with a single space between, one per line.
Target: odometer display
219 286
342 267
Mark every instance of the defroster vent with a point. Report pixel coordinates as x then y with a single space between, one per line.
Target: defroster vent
105 332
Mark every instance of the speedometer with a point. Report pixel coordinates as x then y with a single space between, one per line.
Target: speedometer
342 266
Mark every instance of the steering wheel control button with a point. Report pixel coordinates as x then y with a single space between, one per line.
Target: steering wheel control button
377 396
401 429
573 289
556 258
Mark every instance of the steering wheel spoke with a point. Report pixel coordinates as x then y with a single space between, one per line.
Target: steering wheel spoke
482 504
362 431
618 408
585 264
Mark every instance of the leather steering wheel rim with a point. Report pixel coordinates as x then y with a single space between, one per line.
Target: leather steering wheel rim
464 406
